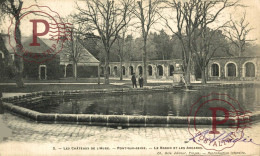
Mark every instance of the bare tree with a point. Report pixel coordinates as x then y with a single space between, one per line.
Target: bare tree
192 17
121 51
147 15
13 8
238 33
108 18
74 49
2 40
205 46
123 47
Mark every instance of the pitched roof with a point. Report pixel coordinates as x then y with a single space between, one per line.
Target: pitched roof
45 44
10 43
85 57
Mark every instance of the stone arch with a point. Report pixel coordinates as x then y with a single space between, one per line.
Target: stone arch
171 70
150 70
115 71
249 69
215 69
131 70
108 70
69 70
231 69
42 72
160 70
140 70
123 70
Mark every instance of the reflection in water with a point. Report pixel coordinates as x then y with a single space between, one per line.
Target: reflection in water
177 103
75 107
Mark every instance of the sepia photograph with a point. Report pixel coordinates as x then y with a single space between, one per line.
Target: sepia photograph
129 77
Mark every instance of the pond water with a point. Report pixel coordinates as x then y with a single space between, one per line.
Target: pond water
176 103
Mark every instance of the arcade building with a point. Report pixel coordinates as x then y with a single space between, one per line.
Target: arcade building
219 68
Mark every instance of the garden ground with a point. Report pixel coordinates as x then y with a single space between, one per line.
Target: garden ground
32 138
88 83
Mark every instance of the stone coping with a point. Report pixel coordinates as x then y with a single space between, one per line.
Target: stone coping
102 120
113 120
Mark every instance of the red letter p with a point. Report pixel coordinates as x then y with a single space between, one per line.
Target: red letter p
215 122
35 33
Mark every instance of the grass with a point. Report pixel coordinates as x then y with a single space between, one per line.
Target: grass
66 80
57 87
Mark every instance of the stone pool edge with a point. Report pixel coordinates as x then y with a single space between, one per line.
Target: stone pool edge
112 120
101 120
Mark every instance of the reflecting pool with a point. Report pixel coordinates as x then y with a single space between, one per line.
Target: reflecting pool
176 103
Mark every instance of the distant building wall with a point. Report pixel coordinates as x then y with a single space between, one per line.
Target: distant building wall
43 71
234 68
223 69
156 69
84 70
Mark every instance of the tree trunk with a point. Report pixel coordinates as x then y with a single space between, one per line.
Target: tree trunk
144 62
8 62
106 68
18 61
187 76
99 74
203 76
188 72
121 70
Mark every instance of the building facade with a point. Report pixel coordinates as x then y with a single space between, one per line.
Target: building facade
234 68
156 69
219 69
60 66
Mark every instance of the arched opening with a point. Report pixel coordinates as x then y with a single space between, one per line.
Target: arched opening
140 70
150 70
108 70
42 72
102 71
115 70
231 70
160 70
131 70
123 70
69 70
214 70
250 69
171 70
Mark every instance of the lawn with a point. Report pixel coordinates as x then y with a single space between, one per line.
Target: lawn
56 87
44 86
67 80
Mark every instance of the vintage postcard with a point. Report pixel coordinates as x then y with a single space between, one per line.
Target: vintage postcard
129 77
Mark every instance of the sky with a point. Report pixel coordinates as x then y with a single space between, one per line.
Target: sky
67 7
